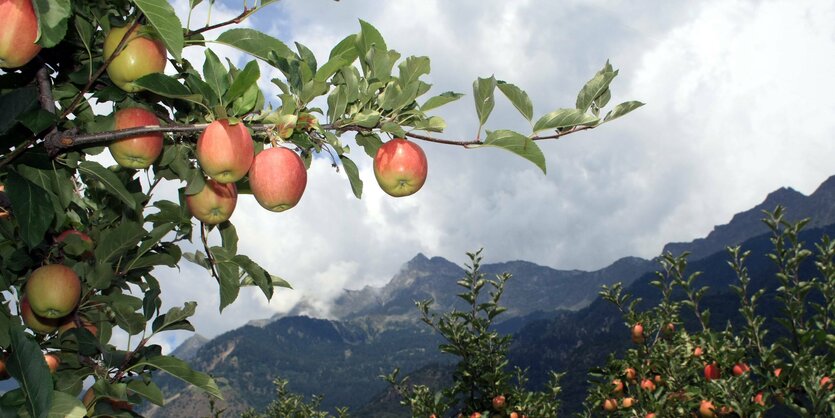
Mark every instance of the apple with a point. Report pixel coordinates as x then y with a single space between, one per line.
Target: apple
627 402
740 368
139 151
277 178
18 33
89 399
638 334
224 151
35 322
52 361
777 372
610 405
53 290
712 371
618 386
650 415
476 415
400 167
631 374
214 204
142 54
4 374
697 352
86 241
826 383
648 385
706 409
72 323
758 398
499 402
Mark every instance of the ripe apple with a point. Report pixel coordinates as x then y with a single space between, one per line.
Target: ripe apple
631 374
740 368
400 167
826 383
18 33
52 361
648 385
499 402
139 151
225 151
142 54
706 409
86 241
610 405
650 415
277 178
53 290
712 371
214 204
627 402
697 352
758 398
618 386
638 334
35 322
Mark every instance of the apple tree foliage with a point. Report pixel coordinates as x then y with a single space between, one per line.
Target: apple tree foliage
52 127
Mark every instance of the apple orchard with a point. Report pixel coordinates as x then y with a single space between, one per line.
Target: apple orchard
80 240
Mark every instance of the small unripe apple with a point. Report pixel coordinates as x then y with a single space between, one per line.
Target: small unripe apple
225 152
400 167
638 334
53 291
277 178
18 33
139 151
142 55
214 204
34 322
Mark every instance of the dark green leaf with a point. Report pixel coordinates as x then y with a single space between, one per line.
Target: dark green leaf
255 43
66 406
215 73
255 274
621 110
176 317
353 175
167 86
114 242
484 100
109 180
563 118
148 390
230 283
181 370
128 319
26 364
243 81
440 100
518 144
32 208
229 237
163 18
52 20
519 98
16 103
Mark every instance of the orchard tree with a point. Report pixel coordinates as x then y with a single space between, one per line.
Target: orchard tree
80 241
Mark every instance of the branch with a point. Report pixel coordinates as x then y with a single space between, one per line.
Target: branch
235 20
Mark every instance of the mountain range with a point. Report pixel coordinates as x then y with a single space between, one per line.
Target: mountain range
556 318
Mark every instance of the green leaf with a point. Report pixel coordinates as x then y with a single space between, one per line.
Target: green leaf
175 318
484 101
353 175
563 118
32 208
370 142
255 43
368 38
181 370
337 101
128 319
230 283
346 48
66 406
622 109
243 81
148 390
27 365
440 100
215 74
367 119
330 68
52 20
518 144
163 18
519 98
167 86
111 182
114 242
412 68
595 87
255 274
229 237
14 104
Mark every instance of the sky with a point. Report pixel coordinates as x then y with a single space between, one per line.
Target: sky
736 107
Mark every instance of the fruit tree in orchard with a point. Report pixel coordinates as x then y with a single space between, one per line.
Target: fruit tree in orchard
79 241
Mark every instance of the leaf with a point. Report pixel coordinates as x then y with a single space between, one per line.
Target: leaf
257 275
148 390
440 100
368 38
167 86
32 208
26 364
595 87
519 98
370 142
15 103
243 81
367 119
229 237
346 49
175 318
353 175
563 118
622 109
66 406
181 370
337 101
484 101
330 68
52 20
215 73
518 144
230 283
255 43
161 15
412 68
128 319
111 182
114 242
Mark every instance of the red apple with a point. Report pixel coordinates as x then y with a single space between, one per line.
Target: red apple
618 386
697 352
225 151
53 291
758 398
17 33
142 54
648 385
638 334
277 178
400 167
712 371
631 374
627 402
34 322
826 383
706 409
499 402
52 361
739 369
139 151
4 212
214 204
610 405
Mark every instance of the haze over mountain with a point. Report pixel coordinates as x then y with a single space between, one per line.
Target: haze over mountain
375 329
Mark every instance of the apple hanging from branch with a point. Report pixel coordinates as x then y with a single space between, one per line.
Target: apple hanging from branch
18 33
277 178
139 151
141 55
400 167
225 151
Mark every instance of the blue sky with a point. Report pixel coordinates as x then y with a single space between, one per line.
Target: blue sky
738 105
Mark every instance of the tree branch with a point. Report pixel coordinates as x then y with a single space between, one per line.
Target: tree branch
235 20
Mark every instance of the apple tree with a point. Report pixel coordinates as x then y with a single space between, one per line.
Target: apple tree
81 240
